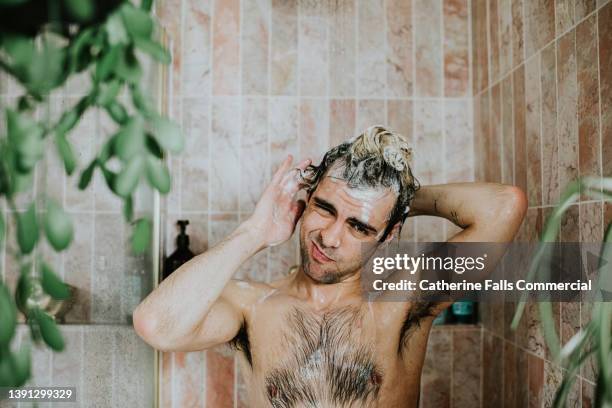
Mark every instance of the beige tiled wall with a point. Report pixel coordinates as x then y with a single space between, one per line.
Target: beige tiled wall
256 80
542 103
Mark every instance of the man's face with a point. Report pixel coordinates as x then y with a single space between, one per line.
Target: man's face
337 222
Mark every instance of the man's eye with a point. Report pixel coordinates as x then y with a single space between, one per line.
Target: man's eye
323 209
360 229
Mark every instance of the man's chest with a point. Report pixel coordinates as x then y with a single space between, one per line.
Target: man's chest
343 357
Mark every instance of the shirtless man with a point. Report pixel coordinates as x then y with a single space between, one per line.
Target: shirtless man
310 339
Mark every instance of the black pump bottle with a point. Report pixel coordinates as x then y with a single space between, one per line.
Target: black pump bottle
182 253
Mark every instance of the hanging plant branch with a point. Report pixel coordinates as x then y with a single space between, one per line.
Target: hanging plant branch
64 38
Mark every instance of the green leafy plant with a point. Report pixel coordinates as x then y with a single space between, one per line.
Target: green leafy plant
595 338
42 45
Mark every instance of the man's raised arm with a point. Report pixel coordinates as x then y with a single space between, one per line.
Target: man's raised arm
198 306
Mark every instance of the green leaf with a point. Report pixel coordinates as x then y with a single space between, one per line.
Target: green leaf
153 147
154 49
22 364
137 21
8 316
107 63
24 288
158 175
127 66
108 92
128 178
20 50
52 284
58 226
68 120
2 228
168 134
130 139
22 182
140 101
115 30
141 236
87 175
66 152
117 112
80 10
27 229
49 330
128 209
146 5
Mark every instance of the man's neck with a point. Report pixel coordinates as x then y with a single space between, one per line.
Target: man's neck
325 295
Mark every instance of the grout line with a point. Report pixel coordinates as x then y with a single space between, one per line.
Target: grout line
597 45
349 98
487 33
414 104
357 78
210 137
539 53
470 91
268 141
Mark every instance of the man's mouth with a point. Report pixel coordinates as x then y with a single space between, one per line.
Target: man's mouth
318 255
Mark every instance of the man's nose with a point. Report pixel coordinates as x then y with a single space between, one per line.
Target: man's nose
331 235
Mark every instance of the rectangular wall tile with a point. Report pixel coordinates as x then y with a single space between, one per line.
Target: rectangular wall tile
564 10
78 261
254 151
283 61
371 69
195 158
550 142
505 36
196 53
567 125
467 363
314 125
539 24
518 43
399 117
589 148
435 381
190 385
108 268
507 126
224 179
399 48
219 378
254 50
520 153
495 135
97 366
370 112
428 52
313 56
283 130
342 116
494 39
492 375
456 48
532 129
226 47
342 49
480 56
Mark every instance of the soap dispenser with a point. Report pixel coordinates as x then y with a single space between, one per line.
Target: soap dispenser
182 253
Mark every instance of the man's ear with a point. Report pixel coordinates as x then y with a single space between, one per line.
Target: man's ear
394 232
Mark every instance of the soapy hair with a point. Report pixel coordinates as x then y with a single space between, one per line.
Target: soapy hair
378 157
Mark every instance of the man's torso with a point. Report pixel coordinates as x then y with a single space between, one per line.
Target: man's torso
358 354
